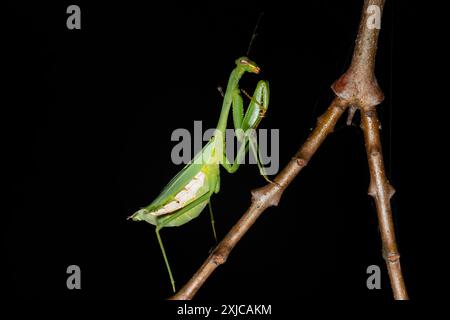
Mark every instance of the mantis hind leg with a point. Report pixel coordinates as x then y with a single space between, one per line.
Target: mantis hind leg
212 220
165 222
172 281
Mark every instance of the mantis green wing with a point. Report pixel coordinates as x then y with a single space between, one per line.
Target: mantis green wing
198 174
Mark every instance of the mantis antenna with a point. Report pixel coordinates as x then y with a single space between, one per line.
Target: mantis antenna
254 34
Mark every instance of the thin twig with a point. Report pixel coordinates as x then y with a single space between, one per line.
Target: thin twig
356 88
382 191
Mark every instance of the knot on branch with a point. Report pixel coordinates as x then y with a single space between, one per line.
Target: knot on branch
220 255
219 259
300 161
372 190
391 190
359 88
267 196
391 257
387 189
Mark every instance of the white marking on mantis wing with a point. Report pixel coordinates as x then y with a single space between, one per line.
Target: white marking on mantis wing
184 196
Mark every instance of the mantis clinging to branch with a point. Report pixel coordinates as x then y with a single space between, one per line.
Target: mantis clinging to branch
188 193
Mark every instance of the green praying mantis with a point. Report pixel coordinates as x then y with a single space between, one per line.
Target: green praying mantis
188 193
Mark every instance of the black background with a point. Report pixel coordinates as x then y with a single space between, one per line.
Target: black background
88 120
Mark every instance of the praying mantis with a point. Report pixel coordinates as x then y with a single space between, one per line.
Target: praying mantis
188 193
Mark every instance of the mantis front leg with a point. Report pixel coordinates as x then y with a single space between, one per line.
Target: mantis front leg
244 124
243 149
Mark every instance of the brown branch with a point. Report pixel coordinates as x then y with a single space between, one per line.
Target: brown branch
358 89
262 198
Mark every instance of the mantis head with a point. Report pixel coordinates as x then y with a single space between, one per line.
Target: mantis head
247 65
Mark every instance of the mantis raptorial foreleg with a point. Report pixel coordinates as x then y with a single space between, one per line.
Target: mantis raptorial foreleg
244 124
232 168
255 150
